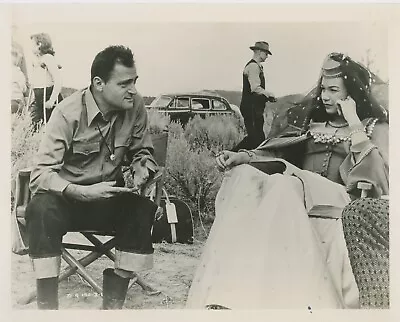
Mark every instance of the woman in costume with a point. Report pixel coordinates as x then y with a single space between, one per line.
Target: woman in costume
45 80
277 240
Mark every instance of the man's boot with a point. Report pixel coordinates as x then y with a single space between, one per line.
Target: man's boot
47 293
114 290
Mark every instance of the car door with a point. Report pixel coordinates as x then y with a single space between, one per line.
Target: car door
200 106
219 107
179 110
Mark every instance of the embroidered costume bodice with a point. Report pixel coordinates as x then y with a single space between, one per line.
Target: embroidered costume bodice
327 148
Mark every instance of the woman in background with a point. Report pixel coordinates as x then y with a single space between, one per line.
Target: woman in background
18 81
45 80
277 240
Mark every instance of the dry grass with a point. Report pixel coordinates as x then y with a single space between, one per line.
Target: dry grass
174 268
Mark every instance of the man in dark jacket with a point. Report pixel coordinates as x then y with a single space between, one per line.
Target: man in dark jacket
254 97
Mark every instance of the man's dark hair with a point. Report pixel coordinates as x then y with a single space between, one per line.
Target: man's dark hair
104 62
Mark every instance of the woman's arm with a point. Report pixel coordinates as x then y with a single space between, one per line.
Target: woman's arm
368 161
54 71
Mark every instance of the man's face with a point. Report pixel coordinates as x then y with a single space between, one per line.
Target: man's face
263 55
120 90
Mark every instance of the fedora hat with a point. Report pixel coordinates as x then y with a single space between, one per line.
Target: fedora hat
261 45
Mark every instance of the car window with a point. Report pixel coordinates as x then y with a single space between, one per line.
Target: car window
200 104
180 103
161 101
218 105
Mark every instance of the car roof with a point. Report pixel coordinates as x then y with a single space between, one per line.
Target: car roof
200 94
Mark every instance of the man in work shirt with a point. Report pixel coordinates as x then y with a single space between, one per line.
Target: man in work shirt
77 183
254 97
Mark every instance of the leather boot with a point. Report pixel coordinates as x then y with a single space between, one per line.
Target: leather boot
47 293
114 290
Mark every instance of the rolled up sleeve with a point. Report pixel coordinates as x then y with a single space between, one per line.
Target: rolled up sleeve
142 145
49 159
253 74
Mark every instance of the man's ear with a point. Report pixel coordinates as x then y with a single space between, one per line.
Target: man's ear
98 83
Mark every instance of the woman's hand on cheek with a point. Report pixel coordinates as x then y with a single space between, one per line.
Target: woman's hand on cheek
347 108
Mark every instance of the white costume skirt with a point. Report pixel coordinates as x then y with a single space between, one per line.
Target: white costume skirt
265 252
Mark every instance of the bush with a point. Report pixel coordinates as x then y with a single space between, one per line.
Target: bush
24 145
193 177
215 133
158 122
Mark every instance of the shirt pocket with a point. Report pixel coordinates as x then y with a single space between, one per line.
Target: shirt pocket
84 153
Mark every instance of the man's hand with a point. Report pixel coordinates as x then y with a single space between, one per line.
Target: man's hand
140 174
97 191
228 159
270 96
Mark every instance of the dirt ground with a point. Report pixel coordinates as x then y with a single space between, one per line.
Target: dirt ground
174 267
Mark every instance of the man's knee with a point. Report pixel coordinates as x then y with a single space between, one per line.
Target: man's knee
139 205
45 214
43 204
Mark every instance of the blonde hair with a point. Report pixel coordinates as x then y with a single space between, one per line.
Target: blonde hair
44 42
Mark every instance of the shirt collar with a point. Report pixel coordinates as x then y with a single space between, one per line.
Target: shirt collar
91 106
259 64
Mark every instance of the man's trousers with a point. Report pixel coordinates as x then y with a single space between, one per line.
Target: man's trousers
49 217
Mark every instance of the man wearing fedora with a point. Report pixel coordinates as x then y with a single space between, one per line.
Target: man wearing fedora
254 97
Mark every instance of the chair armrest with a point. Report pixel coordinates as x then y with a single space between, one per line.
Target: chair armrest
157 179
157 176
364 187
25 172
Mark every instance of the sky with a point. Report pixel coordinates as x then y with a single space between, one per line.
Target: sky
189 55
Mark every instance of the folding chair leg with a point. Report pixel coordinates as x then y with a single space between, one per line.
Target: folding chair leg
85 261
103 247
137 279
80 270
144 285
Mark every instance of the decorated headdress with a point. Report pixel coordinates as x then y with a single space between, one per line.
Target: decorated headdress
331 68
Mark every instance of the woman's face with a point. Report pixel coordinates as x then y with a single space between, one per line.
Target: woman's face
35 47
332 90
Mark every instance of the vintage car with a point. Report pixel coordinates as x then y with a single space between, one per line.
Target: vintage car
183 106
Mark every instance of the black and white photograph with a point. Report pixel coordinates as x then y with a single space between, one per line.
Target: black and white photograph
163 161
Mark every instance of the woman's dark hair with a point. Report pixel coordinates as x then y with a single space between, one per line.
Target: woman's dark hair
357 80
44 42
104 62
